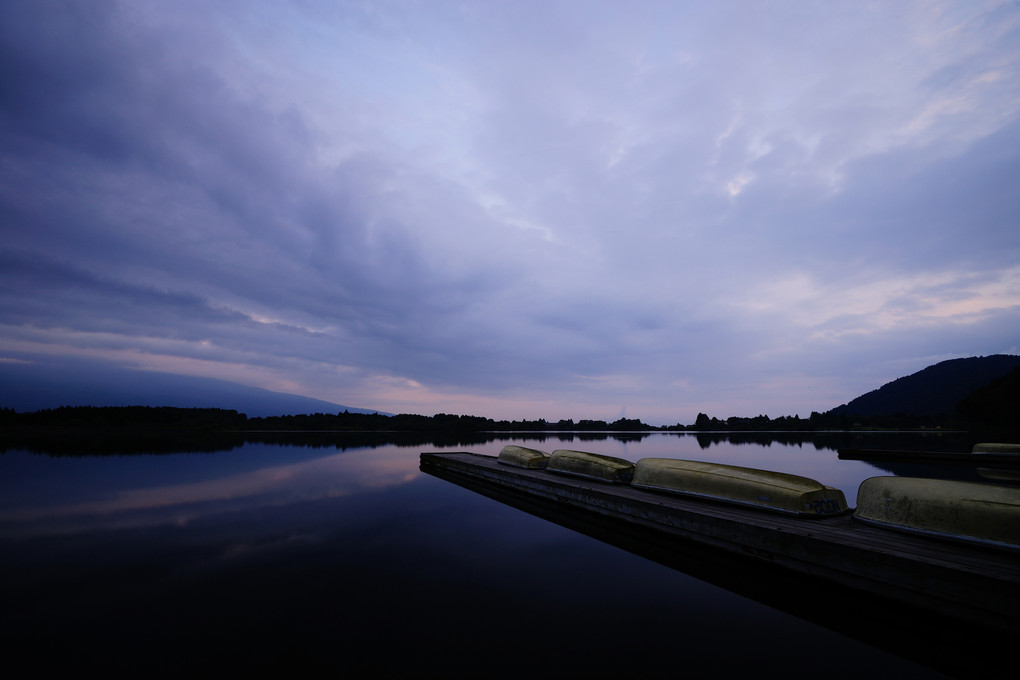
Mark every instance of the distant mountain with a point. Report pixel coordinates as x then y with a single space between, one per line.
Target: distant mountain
934 390
36 385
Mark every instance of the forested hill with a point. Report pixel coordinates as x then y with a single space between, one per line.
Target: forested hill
933 391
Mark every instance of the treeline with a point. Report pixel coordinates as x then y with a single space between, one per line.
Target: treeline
441 422
156 419
445 422
106 431
825 422
120 417
833 420
212 419
120 430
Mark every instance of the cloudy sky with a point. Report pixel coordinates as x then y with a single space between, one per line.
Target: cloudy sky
513 209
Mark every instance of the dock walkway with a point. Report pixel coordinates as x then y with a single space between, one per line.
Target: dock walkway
976 584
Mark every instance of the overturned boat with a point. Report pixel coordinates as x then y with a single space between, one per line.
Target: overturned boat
967 511
997 448
765 489
523 457
591 465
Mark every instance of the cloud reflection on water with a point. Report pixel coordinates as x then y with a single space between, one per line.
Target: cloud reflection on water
73 495
281 484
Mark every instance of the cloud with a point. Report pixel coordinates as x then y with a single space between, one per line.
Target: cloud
513 204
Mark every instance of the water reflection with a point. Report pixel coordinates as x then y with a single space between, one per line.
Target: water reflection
341 557
47 494
141 495
91 443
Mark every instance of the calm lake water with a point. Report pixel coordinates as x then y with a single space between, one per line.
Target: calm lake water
348 559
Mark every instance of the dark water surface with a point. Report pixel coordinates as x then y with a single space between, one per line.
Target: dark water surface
328 560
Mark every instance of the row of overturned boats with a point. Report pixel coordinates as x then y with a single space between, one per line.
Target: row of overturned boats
928 569
986 514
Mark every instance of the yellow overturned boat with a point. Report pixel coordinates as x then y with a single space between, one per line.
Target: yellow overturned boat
776 491
591 465
968 511
997 448
523 457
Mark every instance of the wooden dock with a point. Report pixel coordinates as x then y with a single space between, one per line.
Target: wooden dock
950 588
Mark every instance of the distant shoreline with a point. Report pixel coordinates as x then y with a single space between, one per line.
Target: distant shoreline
124 418
103 431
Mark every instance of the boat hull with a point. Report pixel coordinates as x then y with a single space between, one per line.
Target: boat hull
981 513
523 457
999 448
764 489
591 466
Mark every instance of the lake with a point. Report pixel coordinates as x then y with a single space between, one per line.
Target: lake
344 558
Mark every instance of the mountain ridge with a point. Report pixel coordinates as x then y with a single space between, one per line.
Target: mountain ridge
35 385
932 391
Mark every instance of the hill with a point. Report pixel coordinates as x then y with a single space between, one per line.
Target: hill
997 403
933 391
33 386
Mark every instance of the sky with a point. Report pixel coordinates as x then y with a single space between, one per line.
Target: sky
513 209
